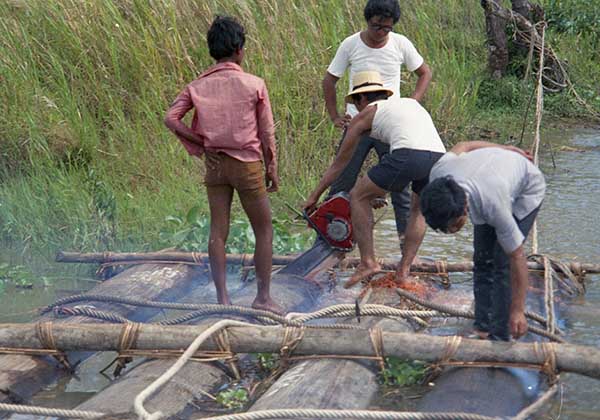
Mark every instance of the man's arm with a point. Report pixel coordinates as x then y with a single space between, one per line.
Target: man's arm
182 104
424 73
266 134
519 283
469 146
359 124
329 82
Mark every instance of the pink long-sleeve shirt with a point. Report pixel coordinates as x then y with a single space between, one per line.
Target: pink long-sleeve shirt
232 114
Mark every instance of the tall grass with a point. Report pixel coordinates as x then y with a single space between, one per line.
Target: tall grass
85 85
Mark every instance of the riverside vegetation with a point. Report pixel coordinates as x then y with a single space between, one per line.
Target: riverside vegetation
87 163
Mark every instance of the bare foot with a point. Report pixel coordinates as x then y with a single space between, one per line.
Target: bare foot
268 305
362 273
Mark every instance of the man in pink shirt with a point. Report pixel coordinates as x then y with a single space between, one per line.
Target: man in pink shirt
233 127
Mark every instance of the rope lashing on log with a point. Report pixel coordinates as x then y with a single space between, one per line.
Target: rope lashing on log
291 338
471 315
377 341
174 257
547 354
44 334
139 400
221 338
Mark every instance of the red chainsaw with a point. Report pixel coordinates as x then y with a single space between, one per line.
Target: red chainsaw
332 222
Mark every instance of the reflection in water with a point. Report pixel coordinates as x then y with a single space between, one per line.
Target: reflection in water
569 227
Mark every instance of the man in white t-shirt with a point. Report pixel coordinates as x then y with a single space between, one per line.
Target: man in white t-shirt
501 191
379 49
414 145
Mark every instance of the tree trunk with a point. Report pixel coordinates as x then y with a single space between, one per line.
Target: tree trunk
495 28
584 360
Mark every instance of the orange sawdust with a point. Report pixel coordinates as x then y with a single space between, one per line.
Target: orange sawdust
389 281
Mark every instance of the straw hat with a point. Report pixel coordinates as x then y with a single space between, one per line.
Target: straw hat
367 81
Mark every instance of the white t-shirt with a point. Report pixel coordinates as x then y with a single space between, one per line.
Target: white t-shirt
404 123
387 60
500 185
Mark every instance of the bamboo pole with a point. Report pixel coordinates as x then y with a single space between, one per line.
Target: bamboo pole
584 360
248 260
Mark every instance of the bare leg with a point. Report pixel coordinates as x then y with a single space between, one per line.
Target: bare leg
219 200
415 232
259 213
362 223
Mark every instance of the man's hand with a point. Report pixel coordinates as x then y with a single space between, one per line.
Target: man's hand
272 181
310 203
342 122
517 324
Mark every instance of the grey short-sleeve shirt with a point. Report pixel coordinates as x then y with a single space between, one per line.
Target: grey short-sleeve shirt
501 185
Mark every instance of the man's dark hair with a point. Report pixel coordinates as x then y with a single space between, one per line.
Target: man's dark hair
371 96
442 201
383 8
224 37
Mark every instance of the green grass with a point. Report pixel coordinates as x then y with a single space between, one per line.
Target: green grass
86 161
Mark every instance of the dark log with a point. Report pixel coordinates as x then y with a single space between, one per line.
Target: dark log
584 360
292 292
247 260
332 383
23 376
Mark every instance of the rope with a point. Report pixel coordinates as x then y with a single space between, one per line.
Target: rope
291 338
172 371
538 120
221 339
376 337
529 411
549 297
49 412
471 315
547 355
44 334
294 413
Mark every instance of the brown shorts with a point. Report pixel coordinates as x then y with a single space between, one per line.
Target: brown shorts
247 178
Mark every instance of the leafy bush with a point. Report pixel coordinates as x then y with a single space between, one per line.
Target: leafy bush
576 17
191 233
403 373
233 398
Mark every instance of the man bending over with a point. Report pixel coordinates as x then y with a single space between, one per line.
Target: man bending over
501 191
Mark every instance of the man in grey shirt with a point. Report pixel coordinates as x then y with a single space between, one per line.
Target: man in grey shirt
501 191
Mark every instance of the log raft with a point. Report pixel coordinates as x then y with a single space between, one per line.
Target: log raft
583 360
23 376
174 399
247 260
332 383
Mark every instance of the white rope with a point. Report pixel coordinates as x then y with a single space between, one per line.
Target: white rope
530 410
349 309
539 108
294 413
49 412
139 400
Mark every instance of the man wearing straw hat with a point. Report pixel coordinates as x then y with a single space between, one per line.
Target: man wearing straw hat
414 146
379 48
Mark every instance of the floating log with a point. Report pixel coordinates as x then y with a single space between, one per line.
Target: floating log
487 391
247 260
292 292
332 383
584 360
23 376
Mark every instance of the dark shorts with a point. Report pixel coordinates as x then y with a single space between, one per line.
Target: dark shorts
403 166
247 178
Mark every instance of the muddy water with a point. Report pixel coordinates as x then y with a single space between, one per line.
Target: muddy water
569 227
